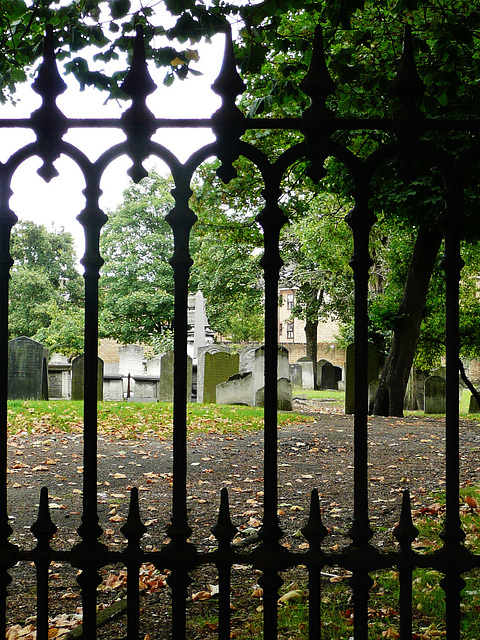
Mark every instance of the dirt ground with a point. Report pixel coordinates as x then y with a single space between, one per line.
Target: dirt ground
403 453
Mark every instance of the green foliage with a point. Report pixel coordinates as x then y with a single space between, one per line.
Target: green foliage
227 244
46 290
136 286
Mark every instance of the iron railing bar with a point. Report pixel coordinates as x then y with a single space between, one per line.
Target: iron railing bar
337 124
7 220
452 534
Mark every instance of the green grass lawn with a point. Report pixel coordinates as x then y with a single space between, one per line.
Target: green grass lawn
130 418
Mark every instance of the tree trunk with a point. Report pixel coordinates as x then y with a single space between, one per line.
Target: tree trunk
311 346
393 382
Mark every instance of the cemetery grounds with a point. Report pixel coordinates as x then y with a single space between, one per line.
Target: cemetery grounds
315 450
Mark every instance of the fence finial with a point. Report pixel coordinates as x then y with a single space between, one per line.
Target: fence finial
224 530
405 531
228 122
408 120
133 529
48 121
317 118
314 531
138 122
43 529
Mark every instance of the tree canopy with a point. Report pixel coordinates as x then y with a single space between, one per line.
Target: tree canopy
273 41
46 289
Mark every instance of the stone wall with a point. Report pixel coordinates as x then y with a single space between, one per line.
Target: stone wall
326 351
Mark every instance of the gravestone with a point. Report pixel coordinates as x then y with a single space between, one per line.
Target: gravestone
59 377
372 392
320 364
199 334
211 348
307 373
218 368
296 376
329 376
415 391
165 383
78 378
110 368
146 388
26 370
284 395
153 366
113 387
473 406
130 362
238 389
283 368
371 373
247 358
435 395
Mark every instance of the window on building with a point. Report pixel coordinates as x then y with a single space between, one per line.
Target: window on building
290 331
280 329
290 300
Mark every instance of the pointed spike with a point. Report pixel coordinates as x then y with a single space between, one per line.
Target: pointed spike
317 83
43 529
407 85
228 122
317 118
138 82
49 83
228 83
405 532
314 531
224 531
133 529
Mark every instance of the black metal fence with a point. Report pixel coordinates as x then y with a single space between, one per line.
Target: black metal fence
180 556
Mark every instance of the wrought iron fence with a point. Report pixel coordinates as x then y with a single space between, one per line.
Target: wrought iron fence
180 556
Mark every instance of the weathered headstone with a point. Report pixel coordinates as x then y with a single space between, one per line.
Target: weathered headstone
415 391
26 370
78 378
320 364
211 348
296 376
111 368
59 377
329 376
372 392
371 373
113 387
284 395
247 358
146 388
218 368
153 366
435 395
200 333
307 373
473 406
131 360
238 389
165 384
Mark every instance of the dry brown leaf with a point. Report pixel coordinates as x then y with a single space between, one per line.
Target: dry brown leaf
390 634
257 592
470 500
201 595
294 594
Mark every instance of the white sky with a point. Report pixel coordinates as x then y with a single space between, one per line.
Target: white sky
59 202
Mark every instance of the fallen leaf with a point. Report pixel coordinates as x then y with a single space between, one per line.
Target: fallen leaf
470 500
294 594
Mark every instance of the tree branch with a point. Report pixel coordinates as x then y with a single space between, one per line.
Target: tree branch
470 386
